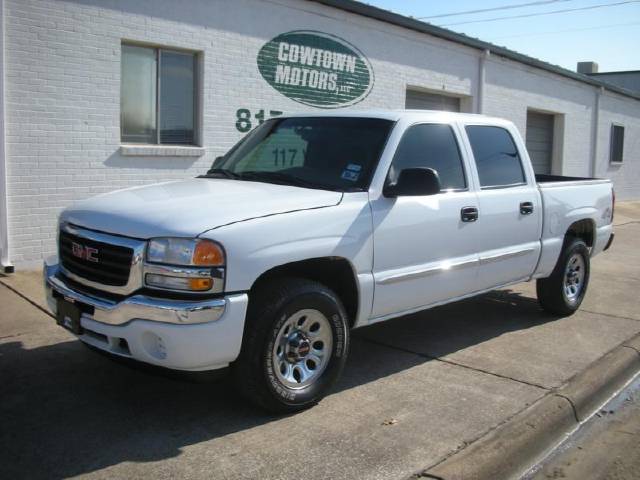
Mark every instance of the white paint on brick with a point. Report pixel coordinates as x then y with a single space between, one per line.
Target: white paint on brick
63 93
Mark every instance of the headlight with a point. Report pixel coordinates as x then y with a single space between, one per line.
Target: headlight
185 252
185 264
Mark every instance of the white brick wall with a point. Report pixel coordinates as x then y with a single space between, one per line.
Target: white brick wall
63 92
623 111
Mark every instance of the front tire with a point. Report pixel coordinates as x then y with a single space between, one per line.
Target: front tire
295 345
563 291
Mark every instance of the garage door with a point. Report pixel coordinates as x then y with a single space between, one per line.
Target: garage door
540 140
431 101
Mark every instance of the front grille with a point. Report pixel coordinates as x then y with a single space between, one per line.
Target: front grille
113 261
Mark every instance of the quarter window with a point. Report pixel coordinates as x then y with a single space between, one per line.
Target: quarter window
430 146
497 158
157 96
617 143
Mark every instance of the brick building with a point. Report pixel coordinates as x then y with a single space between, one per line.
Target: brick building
105 94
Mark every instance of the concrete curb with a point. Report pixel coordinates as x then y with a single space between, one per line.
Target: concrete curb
513 447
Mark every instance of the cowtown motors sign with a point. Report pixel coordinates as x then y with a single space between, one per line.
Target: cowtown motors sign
316 69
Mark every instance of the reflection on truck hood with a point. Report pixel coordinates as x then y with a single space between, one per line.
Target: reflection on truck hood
188 208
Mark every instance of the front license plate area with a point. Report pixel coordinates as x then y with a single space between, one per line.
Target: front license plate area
68 316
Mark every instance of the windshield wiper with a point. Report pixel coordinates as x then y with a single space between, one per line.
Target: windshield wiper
282 178
220 172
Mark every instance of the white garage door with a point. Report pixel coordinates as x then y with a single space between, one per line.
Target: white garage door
540 140
431 101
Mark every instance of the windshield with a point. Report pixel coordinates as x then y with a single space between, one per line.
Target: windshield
333 153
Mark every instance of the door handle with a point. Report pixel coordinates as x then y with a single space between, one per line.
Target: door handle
526 208
469 214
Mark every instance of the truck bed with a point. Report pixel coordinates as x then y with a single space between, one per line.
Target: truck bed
544 180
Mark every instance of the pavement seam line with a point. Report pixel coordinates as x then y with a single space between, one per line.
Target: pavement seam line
456 364
626 223
24 297
612 315
573 407
632 348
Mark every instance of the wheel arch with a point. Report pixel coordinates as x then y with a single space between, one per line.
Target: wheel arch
584 229
336 273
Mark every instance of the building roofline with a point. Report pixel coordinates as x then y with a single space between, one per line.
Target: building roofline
614 73
387 16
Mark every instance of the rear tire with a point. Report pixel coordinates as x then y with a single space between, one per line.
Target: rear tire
295 345
563 291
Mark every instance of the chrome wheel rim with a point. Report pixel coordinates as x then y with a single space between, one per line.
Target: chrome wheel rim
302 349
574 277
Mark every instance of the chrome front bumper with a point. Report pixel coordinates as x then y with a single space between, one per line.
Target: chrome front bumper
181 335
135 306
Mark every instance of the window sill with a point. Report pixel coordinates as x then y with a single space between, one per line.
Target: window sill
616 164
161 151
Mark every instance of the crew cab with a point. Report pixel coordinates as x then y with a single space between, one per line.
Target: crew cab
311 226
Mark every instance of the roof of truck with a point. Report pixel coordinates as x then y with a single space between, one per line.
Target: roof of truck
398 114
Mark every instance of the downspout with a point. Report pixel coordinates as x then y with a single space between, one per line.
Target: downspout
594 133
5 264
481 79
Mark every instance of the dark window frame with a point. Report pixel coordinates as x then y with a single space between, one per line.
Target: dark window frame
613 153
196 94
457 140
522 169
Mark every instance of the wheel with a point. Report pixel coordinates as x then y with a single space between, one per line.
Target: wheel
563 291
295 345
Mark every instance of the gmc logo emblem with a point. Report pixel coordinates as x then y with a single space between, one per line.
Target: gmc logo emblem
85 253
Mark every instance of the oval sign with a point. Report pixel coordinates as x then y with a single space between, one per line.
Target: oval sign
316 69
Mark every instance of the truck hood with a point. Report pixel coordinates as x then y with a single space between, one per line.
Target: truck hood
190 207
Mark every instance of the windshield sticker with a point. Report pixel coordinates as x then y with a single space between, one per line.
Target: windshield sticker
350 175
354 167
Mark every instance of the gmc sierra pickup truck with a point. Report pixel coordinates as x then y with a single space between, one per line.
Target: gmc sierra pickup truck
313 225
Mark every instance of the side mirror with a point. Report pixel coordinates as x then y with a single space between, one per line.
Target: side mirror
414 182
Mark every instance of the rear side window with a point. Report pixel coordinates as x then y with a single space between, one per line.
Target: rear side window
430 146
496 155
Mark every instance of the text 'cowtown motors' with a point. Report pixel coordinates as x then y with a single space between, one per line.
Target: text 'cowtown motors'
316 69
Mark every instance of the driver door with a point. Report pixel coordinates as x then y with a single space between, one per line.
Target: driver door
424 252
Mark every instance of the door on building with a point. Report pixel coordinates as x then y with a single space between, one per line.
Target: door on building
431 101
540 140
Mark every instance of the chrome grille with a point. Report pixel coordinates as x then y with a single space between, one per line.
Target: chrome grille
109 264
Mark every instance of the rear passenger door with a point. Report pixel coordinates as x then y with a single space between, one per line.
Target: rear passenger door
423 252
509 217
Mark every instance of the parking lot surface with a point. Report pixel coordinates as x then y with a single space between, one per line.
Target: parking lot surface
415 390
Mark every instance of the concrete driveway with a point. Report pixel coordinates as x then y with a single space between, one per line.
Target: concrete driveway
415 390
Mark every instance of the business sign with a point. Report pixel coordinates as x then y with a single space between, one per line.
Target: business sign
316 69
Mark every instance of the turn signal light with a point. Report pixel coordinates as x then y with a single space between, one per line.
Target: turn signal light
200 284
208 253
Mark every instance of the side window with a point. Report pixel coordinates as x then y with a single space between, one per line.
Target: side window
496 155
617 143
430 146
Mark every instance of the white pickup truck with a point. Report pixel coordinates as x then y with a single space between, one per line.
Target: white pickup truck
311 226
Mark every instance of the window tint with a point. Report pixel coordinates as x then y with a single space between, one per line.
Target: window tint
430 146
496 156
617 143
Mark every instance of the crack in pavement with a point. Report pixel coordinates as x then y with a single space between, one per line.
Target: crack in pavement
612 315
24 297
451 362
